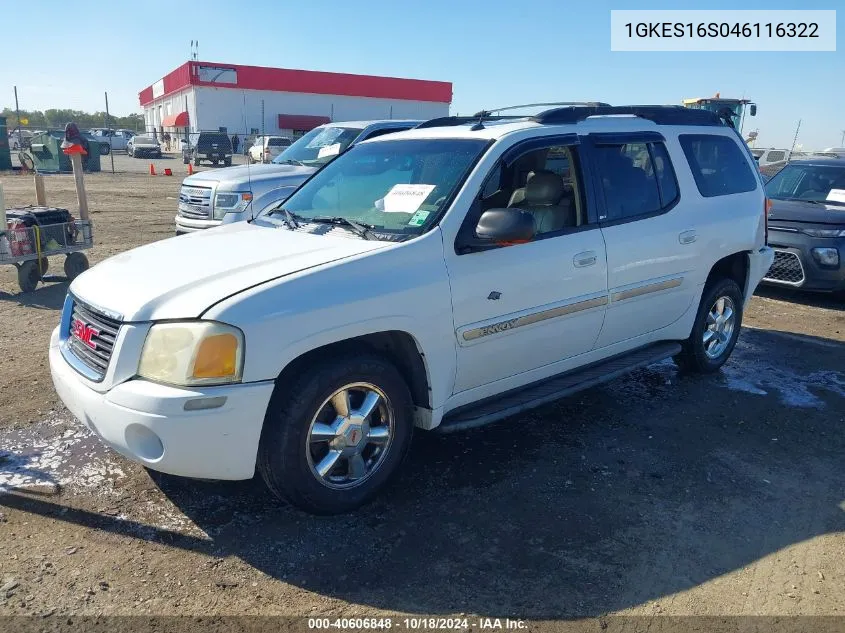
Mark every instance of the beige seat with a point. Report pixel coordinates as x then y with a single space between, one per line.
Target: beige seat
543 198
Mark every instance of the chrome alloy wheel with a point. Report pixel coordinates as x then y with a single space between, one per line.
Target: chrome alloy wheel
350 435
719 327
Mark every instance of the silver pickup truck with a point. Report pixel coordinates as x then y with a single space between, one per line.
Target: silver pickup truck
222 196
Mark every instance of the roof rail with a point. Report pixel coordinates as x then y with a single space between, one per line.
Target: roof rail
487 113
445 121
662 115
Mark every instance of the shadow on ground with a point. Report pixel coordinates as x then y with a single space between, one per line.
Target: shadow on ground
813 299
648 486
47 296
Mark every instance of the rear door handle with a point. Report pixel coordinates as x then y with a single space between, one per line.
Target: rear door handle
687 237
582 260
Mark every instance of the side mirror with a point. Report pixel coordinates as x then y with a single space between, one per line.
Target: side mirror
505 226
753 109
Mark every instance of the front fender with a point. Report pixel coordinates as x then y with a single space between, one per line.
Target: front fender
402 287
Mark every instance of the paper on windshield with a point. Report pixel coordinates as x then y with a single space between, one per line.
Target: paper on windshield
329 150
326 137
406 198
836 195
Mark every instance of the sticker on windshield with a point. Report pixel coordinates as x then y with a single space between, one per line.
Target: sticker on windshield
406 198
836 195
419 218
329 150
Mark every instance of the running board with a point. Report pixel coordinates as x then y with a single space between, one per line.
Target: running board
551 389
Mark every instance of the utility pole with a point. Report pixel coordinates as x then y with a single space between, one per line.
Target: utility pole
18 115
795 139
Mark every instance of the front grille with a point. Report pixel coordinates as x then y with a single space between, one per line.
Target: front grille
101 330
786 269
195 202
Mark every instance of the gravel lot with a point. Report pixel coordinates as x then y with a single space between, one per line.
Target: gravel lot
657 494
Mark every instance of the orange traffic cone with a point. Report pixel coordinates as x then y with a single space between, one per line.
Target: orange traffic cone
190 169
152 170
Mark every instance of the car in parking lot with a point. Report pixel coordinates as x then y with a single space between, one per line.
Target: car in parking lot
443 277
20 139
266 148
807 225
115 140
225 196
212 147
143 145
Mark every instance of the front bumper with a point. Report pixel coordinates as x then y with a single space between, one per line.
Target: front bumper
190 225
813 276
147 422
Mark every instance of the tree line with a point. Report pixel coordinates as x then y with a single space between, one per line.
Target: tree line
58 118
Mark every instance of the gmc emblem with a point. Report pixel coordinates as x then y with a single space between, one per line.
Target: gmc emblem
84 332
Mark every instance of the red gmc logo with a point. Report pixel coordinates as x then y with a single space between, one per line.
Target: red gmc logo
84 332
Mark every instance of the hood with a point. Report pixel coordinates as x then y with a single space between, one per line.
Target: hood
181 277
249 173
800 211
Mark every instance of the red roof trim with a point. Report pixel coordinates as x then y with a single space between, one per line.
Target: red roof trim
307 81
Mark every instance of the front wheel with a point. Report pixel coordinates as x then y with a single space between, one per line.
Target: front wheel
335 436
75 265
716 328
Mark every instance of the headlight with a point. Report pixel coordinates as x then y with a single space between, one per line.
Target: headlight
193 353
232 202
825 232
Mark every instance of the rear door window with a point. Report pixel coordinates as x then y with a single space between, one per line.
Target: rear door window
719 166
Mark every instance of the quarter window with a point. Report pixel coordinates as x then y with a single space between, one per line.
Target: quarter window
637 179
718 165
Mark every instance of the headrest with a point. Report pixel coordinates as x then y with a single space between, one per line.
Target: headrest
545 188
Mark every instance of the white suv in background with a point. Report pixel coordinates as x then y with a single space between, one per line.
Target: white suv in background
441 278
266 148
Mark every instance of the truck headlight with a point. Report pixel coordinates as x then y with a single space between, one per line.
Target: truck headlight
191 353
824 232
232 202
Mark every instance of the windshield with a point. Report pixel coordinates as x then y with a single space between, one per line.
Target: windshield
393 186
319 146
144 139
808 182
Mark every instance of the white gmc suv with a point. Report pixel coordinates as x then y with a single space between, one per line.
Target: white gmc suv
444 277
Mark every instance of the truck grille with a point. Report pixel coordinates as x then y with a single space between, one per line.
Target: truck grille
92 336
195 202
786 269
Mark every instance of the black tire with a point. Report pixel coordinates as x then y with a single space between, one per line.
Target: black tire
284 451
28 276
694 356
104 150
75 265
228 162
45 265
196 161
185 160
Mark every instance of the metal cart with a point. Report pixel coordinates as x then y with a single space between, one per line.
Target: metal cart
28 248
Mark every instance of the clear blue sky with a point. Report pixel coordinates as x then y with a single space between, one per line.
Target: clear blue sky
495 53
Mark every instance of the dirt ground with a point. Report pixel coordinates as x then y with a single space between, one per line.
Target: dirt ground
657 494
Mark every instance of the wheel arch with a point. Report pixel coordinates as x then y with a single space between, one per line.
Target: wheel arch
735 266
398 346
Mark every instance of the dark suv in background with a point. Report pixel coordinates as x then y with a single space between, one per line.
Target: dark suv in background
213 147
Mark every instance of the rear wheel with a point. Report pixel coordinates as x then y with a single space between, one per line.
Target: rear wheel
334 437
228 161
28 276
196 161
716 328
75 265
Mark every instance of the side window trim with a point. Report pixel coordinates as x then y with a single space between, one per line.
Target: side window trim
664 205
604 219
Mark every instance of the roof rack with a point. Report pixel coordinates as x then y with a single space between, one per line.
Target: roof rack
662 115
486 113
446 121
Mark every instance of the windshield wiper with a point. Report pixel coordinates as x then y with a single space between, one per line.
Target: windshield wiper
359 228
804 200
290 218
291 161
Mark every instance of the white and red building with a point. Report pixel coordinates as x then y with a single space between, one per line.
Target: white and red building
257 100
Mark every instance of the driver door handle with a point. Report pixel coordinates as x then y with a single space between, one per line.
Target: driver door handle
582 260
